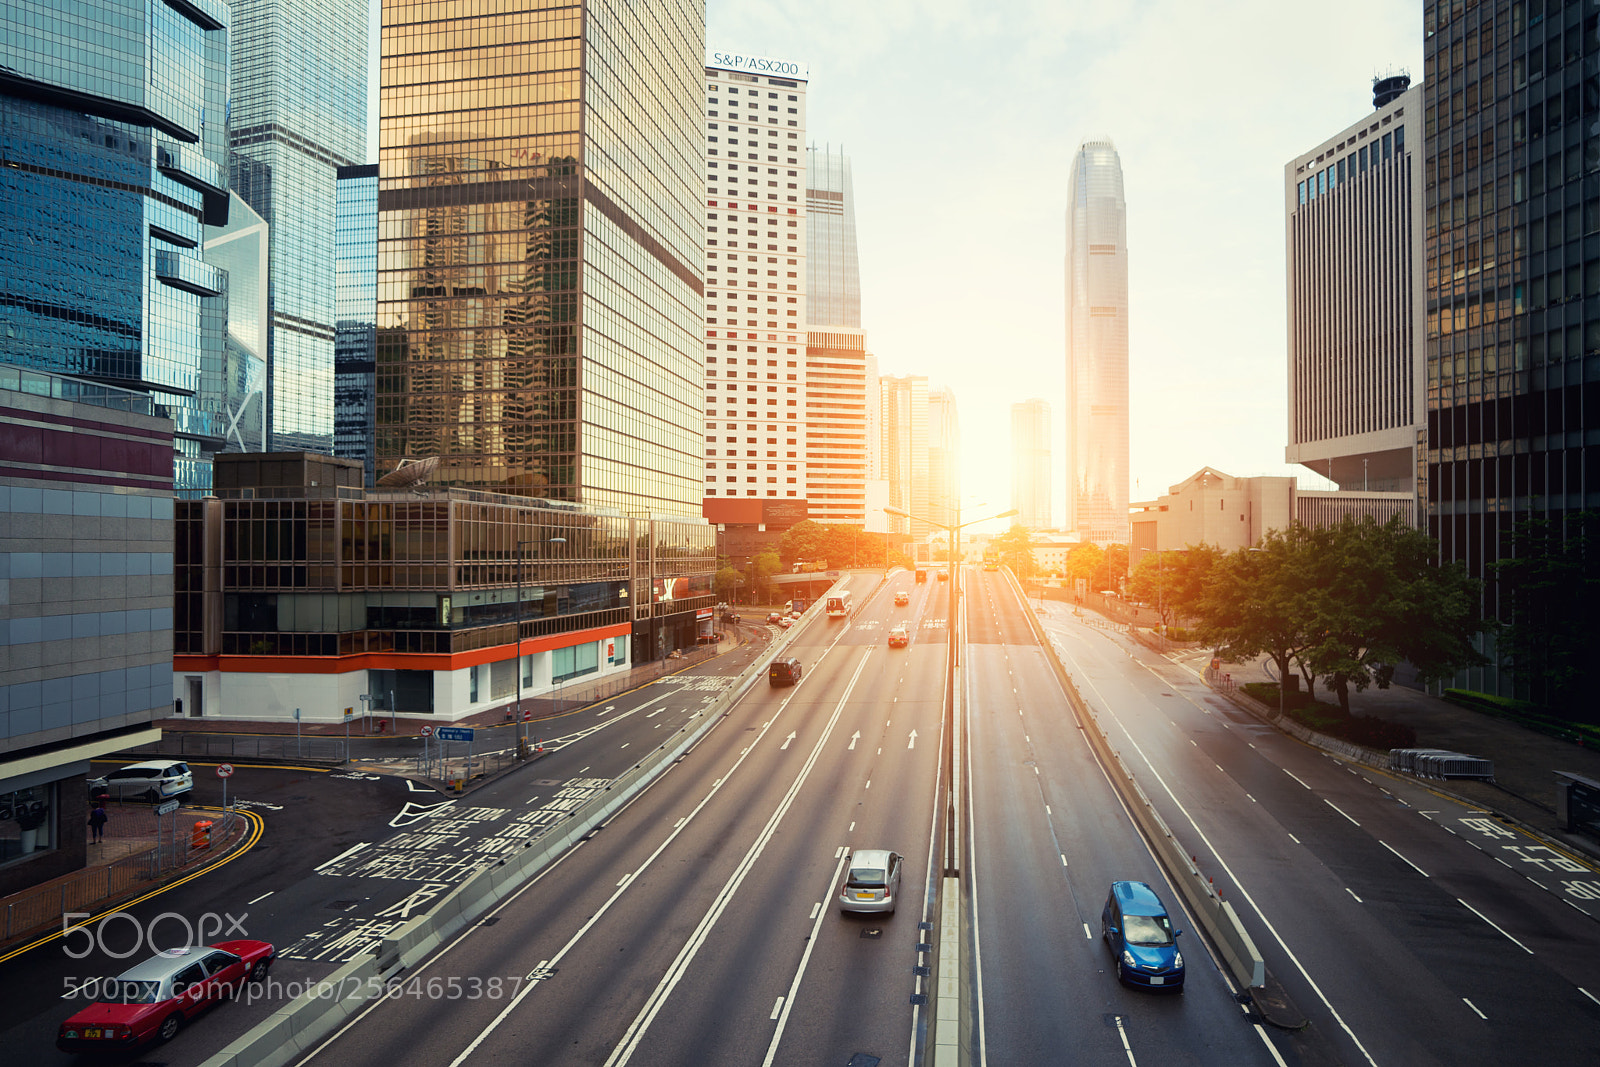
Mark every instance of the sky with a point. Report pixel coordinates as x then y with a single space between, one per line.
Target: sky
961 119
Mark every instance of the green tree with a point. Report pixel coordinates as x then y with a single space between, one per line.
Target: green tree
1191 571
1376 597
1250 604
1548 581
1014 549
1113 570
805 540
1084 561
727 583
1153 580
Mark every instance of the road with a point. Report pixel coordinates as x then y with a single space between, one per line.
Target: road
1406 928
699 925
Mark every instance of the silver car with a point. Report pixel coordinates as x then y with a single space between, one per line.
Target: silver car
154 780
871 881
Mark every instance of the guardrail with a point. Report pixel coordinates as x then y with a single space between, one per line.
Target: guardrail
301 1024
1216 915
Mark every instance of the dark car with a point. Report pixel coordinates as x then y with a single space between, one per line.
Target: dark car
784 672
152 1001
1136 929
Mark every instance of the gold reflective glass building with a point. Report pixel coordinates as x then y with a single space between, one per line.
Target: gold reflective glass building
539 266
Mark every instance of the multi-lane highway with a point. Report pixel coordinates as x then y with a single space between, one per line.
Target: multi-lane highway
700 923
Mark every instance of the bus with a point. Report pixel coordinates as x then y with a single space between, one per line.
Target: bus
840 605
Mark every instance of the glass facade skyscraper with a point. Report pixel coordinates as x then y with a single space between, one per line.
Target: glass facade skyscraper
114 144
1030 463
1097 346
1512 231
838 384
299 113
904 423
539 258
355 343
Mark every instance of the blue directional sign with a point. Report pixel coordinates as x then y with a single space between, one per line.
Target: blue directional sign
453 733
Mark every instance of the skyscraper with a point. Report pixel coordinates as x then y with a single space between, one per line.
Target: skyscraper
1097 346
837 378
1030 463
1513 326
355 343
299 114
540 280
114 138
944 458
1355 273
904 407
755 296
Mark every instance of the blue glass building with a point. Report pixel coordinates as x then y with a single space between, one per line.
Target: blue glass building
299 82
355 343
114 143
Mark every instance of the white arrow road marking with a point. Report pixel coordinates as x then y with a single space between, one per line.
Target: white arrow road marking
853 739
786 741
913 742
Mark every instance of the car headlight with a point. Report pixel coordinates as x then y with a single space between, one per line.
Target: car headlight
1128 960
1177 960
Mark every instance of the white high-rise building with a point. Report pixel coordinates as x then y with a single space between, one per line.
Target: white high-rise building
904 422
755 249
1030 463
944 458
1357 292
1097 346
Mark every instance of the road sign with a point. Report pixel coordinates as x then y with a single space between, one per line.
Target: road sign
426 731
168 808
224 770
454 733
527 714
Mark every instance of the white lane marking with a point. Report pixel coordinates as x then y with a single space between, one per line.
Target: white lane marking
679 823
911 742
625 744
1295 839
794 986
786 740
1335 807
1087 935
1588 994
853 739
625 880
1047 810
1352 893
1491 922
658 998
1264 1040
262 897
1474 1007
658 711
1273 930
1063 859
1291 774
814 909
1413 866
776 1007
1127 1048
351 851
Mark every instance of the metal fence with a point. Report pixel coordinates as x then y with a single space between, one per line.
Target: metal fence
44 907
183 743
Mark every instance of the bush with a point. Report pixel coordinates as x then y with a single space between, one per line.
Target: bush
1330 719
1377 733
1525 714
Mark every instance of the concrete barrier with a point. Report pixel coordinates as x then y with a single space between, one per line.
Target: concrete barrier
1220 921
300 1025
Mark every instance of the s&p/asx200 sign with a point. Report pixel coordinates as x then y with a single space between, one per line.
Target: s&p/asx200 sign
782 68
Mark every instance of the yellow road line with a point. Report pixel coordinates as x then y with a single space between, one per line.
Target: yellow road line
257 826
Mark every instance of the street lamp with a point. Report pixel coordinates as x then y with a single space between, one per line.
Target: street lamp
950 676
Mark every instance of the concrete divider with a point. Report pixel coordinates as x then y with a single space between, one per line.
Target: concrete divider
307 1020
1220 921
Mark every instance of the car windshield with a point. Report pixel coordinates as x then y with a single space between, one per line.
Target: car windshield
130 992
867 877
1147 930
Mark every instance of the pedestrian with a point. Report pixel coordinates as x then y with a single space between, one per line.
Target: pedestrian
97 821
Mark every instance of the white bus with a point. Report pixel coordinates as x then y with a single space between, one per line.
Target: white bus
840 605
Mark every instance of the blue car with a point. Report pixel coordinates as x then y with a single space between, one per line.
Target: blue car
1135 926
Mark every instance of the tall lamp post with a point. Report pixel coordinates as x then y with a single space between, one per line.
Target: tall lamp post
954 530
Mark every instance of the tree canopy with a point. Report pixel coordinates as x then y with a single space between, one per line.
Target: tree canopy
1014 549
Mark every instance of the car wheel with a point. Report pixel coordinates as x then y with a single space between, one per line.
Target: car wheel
169 1027
258 973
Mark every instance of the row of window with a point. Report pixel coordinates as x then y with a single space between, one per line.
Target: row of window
1347 167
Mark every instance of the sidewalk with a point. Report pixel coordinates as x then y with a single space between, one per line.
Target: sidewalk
122 866
1525 762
